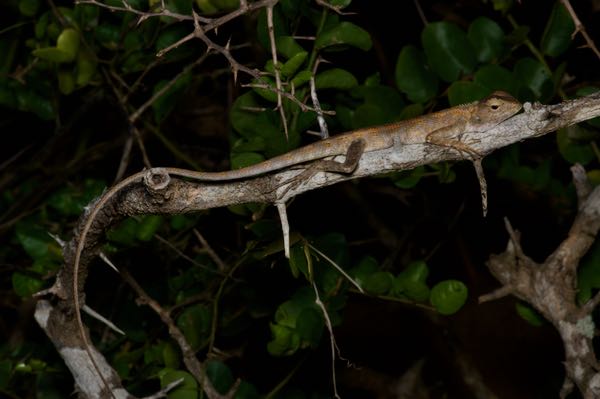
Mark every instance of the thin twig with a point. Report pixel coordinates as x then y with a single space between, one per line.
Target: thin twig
211 253
339 269
271 30
324 131
195 367
579 28
138 112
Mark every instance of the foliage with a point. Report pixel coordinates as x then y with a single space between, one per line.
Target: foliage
59 62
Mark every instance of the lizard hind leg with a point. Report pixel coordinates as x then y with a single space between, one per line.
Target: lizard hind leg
353 155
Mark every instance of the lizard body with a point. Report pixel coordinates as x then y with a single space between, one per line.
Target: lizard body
441 128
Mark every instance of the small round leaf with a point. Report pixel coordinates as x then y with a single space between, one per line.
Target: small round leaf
413 75
448 296
448 50
344 33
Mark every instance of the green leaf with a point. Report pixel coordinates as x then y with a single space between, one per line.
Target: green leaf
401 288
148 227
71 201
68 15
448 50
52 54
35 240
182 222
301 78
335 78
344 33
242 118
124 233
188 389
85 68
298 261
413 75
411 111
28 100
207 7
495 77
290 67
25 285
448 296
287 313
220 375
288 47
263 126
557 34
170 355
416 271
68 41
66 81
379 283
529 314
382 104
444 172
244 159
268 94
195 322
309 325
411 282
170 35
29 7
373 80
285 341
183 6
335 246
87 14
502 5
265 229
67 46
133 41
532 74
465 92
41 25
108 35
571 150
487 38
408 178
593 177
366 267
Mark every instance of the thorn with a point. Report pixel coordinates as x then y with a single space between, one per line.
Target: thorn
56 238
108 262
101 318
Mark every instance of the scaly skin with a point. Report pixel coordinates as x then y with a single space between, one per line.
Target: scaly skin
439 128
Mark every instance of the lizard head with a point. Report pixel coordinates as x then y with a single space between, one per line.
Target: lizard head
494 109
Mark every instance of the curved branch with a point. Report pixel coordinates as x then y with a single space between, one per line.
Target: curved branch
181 196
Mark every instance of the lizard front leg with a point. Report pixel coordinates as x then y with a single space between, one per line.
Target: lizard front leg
353 155
443 138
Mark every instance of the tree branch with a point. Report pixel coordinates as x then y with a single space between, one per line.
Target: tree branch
181 196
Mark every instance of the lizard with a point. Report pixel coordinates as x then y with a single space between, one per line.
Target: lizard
443 128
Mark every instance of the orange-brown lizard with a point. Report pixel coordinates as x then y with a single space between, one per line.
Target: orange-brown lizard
443 128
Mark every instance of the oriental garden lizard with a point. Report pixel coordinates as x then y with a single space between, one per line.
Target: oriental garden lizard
443 128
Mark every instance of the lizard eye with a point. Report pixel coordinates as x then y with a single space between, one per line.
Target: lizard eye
495 106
